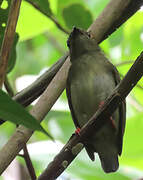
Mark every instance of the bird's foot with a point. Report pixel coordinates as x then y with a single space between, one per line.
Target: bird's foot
111 119
77 131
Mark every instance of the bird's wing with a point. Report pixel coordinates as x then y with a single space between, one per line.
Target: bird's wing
68 92
122 112
89 148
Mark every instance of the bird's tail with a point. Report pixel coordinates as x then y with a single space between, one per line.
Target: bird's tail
109 162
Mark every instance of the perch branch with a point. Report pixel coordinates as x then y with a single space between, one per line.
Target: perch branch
8 38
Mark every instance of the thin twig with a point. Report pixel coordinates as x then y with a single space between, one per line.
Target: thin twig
49 16
8 38
8 87
29 163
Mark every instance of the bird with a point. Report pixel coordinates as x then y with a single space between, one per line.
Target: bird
91 79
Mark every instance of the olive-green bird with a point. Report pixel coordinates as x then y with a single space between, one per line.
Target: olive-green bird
91 79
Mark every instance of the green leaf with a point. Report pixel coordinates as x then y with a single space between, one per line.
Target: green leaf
14 112
4 10
77 15
132 44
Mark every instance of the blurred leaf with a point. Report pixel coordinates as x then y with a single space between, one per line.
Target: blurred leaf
14 112
77 15
43 5
4 10
61 4
31 22
132 44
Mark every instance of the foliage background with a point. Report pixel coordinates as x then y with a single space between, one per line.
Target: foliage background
41 44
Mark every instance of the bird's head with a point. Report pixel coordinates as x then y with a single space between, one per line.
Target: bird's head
80 42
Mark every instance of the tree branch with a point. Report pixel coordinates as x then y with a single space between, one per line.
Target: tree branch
8 38
111 18
32 92
75 144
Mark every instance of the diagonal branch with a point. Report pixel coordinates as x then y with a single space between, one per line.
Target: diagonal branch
46 101
8 38
75 144
32 92
116 13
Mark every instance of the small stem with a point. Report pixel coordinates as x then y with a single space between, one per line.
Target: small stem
49 16
8 87
29 163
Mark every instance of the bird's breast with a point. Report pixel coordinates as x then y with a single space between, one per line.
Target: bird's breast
90 86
